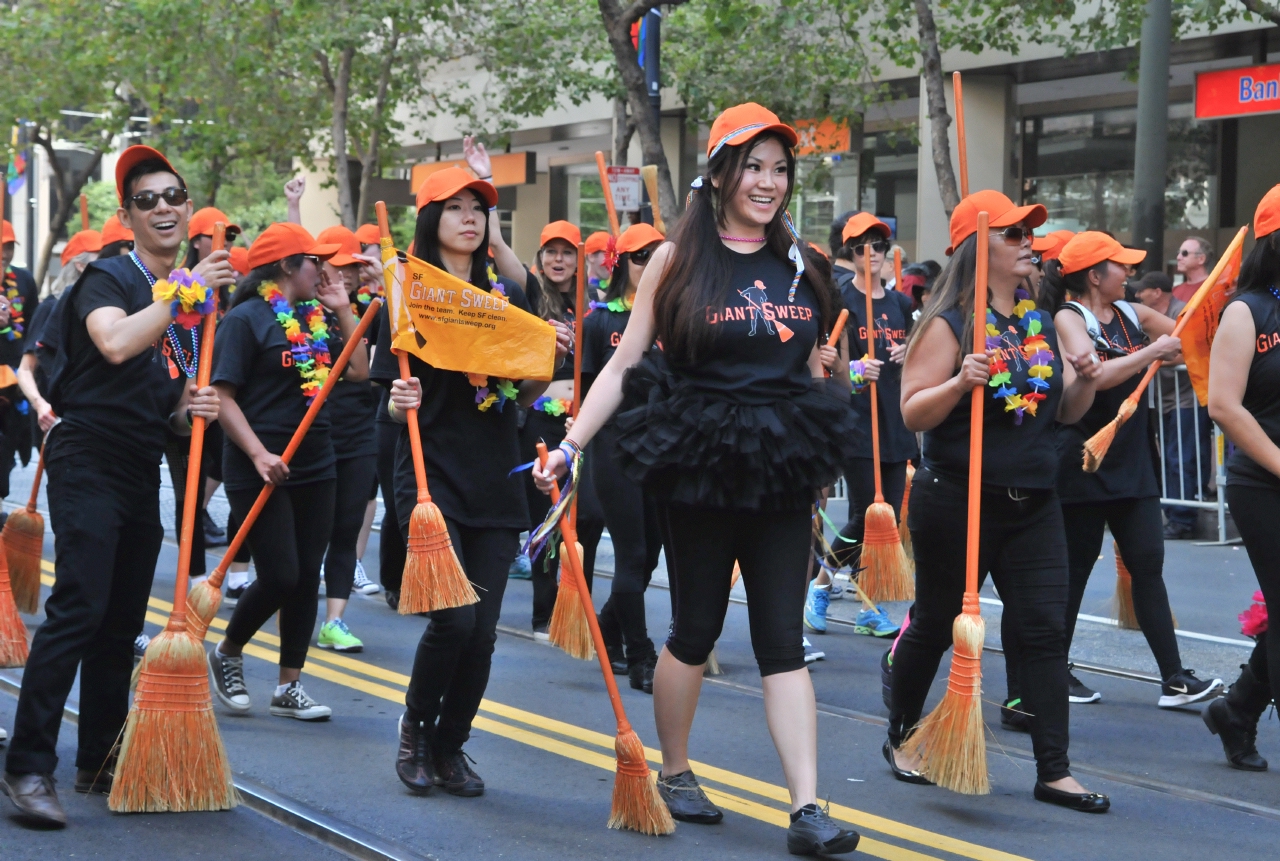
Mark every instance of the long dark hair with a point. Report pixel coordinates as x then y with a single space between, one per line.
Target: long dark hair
248 287
619 278
700 266
952 289
115 249
426 242
1055 287
551 303
193 256
1261 266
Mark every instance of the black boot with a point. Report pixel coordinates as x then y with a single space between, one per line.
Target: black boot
641 673
1234 719
413 759
611 633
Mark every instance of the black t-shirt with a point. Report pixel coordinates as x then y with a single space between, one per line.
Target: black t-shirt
601 334
1128 471
13 336
1013 455
469 454
352 407
380 325
1262 389
893 322
533 290
120 409
35 343
762 342
252 353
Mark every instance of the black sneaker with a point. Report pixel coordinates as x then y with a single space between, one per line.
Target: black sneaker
1079 692
233 596
228 680
454 774
686 800
214 535
886 678
642 673
1183 688
813 833
413 759
1013 717
295 703
140 644
393 598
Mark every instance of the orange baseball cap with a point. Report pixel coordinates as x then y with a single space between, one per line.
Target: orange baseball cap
79 243
1001 211
444 184
860 222
282 240
1051 245
1091 248
637 236
240 259
202 221
1266 219
6 233
598 241
561 230
818 248
114 231
347 242
740 123
135 155
368 234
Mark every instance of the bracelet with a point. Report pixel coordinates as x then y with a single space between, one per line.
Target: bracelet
191 422
391 408
570 448
486 178
493 209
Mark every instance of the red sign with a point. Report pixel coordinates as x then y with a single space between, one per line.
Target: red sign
822 136
1238 92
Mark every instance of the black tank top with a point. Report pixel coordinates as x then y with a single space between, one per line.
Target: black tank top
1262 389
1013 455
893 321
760 352
1128 471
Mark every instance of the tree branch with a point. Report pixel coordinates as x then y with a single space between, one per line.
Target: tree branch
939 119
1262 9
369 159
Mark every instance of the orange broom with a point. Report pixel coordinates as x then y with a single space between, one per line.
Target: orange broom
903 532
1095 448
13 633
1123 601
950 741
609 206
206 596
23 537
636 803
171 756
886 572
568 628
957 90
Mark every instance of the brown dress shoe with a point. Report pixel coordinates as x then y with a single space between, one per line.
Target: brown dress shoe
35 798
95 780
413 759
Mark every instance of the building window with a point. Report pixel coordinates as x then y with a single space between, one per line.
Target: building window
586 200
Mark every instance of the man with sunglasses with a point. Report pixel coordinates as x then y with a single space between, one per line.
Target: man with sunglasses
1194 257
111 386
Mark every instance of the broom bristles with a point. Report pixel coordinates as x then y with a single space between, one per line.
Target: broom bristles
23 537
636 803
886 570
203 602
569 628
903 532
712 666
1096 446
951 741
171 755
433 576
1126 616
13 633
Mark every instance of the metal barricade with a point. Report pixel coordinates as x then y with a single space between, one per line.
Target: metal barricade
1192 450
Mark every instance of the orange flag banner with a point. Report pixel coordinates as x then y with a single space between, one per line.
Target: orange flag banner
1200 321
450 325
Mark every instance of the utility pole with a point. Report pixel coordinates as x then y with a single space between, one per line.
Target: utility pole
650 49
1151 143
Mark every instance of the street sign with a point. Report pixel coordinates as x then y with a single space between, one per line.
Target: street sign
625 184
1238 92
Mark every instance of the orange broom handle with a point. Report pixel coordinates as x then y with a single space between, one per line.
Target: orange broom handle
575 571
976 414
35 485
958 91
608 194
415 438
838 329
897 268
871 354
84 212
579 315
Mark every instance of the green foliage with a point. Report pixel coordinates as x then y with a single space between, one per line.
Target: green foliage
103 203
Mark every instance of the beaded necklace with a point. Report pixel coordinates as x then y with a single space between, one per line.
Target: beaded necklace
504 390
14 330
171 333
1033 347
310 349
1274 292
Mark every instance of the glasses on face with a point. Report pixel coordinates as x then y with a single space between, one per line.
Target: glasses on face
232 234
312 258
641 257
880 246
1183 252
145 201
1013 235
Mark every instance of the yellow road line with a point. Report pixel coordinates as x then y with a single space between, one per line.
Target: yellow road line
344 666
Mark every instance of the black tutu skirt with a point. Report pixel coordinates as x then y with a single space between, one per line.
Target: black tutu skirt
699 448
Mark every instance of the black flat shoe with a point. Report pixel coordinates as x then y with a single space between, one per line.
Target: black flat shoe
901 773
1085 802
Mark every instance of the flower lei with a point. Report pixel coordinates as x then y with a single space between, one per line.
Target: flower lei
365 294
1253 621
552 406
505 390
1034 348
858 376
188 294
310 349
14 330
621 305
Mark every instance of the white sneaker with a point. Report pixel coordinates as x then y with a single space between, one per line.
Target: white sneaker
363 584
3 734
295 703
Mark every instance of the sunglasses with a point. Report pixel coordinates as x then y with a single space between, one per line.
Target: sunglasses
145 201
1182 252
641 257
880 246
1013 235
314 259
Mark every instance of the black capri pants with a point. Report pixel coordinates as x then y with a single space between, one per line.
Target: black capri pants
351 500
772 548
859 476
391 546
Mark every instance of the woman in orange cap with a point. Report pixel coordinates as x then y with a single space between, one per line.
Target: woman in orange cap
734 433
628 512
470 447
19 300
274 349
597 250
116 239
1244 399
1023 544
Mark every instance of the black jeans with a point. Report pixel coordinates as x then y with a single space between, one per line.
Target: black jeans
1257 511
177 451
451 667
351 499
1024 547
859 476
391 546
105 514
288 541
772 548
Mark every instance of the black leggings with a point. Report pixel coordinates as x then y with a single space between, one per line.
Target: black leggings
632 519
288 541
1024 548
772 548
451 667
859 477
391 547
351 499
1257 511
177 453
